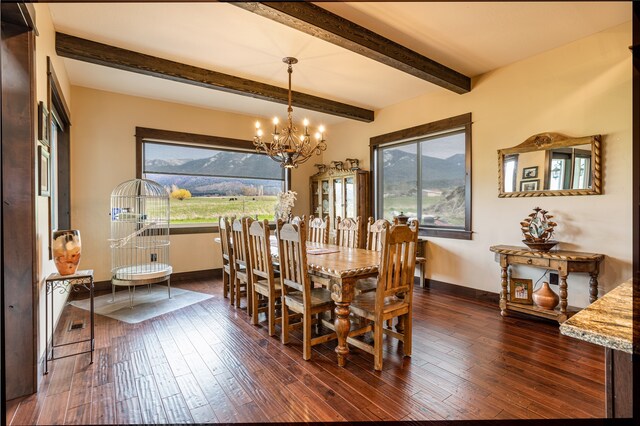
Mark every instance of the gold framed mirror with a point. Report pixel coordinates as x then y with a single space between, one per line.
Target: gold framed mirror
551 164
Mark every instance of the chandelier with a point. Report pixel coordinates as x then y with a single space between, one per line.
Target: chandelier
286 146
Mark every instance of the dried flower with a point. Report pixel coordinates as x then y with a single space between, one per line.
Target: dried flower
285 203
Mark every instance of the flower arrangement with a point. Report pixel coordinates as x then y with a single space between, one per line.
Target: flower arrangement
285 203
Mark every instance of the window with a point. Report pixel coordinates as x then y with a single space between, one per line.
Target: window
510 172
59 148
570 168
425 173
209 177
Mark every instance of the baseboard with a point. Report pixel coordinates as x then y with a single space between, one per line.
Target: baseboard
177 276
462 291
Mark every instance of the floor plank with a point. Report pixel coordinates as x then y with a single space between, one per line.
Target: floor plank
206 363
128 412
152 410
103 405
177 409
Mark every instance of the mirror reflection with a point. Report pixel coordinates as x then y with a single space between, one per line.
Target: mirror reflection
551 164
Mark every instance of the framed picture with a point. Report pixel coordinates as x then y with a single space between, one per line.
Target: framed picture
43 124
530 172
521 290
529 185
44 171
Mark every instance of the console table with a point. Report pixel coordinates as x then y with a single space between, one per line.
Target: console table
560 260
66 284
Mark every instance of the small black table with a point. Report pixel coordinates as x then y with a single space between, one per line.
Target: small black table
67 284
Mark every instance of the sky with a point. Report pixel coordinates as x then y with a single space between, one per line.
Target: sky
441 147
158 151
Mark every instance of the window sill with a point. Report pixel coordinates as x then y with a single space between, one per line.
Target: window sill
456 234
205 229
183 230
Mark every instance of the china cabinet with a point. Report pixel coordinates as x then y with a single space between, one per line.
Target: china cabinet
337 192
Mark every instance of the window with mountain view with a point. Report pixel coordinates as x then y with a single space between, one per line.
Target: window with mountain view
427 177
206 183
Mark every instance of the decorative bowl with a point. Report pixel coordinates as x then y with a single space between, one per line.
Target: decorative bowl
540 246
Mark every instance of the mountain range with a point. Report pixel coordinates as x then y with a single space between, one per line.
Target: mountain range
439 173
222 163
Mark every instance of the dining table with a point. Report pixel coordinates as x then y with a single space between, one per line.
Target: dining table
342 266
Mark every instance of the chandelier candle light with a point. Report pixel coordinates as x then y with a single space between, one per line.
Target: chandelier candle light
286 147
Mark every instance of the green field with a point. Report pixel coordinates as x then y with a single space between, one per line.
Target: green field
209 209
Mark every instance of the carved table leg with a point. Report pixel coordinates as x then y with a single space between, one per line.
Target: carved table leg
342 325
503 290
593 287
342 294
563 296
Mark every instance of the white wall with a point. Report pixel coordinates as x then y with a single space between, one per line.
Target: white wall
582 88
45 46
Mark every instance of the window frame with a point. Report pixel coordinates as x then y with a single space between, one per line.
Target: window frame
170 137
60 173
413 135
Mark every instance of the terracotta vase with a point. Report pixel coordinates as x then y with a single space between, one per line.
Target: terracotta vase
545 297
66 248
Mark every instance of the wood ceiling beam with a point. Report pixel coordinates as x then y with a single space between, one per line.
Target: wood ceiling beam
110 56
321 23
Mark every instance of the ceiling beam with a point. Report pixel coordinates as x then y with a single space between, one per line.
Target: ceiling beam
321 23
110 56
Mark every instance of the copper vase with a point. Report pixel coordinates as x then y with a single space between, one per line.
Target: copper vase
545 297
66 248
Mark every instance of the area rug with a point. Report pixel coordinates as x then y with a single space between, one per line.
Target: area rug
146 304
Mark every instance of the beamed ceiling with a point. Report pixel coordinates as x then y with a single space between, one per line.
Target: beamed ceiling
354 58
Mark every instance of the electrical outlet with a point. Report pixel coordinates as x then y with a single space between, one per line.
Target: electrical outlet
553 278
154 257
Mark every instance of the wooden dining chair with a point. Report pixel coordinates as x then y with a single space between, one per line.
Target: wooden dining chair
374 233
348 232
261 274
297 219
319 230
374 242
228 270
239 232
297 293
421 261
393 296
319 233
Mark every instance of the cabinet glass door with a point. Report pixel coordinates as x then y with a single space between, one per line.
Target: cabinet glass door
315 197
325 198
350 197
338 200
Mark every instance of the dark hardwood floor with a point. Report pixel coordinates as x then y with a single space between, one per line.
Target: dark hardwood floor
207 363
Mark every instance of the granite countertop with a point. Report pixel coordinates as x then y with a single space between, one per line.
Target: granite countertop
607 321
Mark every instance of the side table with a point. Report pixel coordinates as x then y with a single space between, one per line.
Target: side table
562 261
67 284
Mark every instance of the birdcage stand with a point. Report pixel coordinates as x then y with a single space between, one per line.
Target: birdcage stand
142 276
67 284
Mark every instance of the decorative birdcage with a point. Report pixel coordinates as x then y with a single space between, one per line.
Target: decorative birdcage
139 235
